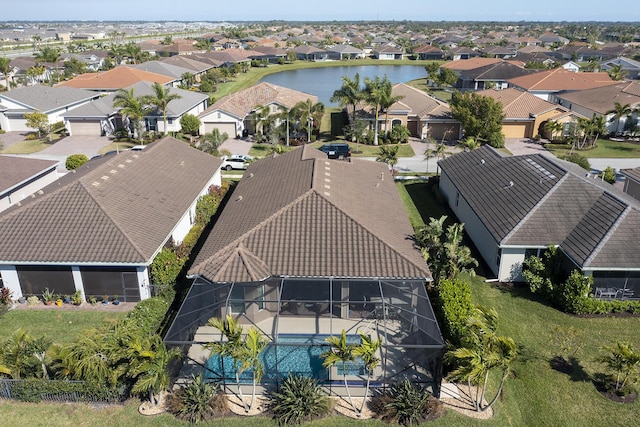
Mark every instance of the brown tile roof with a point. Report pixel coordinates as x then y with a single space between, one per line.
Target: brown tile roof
518 104
116 78
633 174
301 214
419 103
117 209
603 99
560 79
15 170
470 64
241 103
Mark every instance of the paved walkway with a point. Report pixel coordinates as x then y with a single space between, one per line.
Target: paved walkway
237 146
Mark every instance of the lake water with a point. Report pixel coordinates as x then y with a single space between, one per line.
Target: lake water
322 82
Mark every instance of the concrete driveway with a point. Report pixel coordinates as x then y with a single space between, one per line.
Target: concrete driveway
237 146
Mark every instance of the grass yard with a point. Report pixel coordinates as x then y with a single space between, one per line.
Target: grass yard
605 149
61 326
117 146
26 147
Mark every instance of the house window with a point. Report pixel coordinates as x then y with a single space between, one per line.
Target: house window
457 198
498 257
236 299
170 121
261 304
219 115
531 252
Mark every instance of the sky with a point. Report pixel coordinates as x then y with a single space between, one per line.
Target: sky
320 10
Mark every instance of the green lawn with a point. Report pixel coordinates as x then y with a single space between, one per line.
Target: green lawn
26 147
60 325
604 149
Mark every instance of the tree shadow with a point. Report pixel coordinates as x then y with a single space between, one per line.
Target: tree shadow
570 366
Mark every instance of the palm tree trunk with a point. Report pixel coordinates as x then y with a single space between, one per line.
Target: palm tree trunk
246 409
504 377
484 388
346 386
253 391
375 129
366 393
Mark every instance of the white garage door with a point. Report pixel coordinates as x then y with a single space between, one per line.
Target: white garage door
85 127
229 128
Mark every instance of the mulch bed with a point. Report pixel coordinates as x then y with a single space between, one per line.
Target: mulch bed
606 389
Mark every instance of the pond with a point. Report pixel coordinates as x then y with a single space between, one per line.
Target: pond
322 82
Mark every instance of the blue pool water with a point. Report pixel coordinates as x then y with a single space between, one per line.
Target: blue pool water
295 354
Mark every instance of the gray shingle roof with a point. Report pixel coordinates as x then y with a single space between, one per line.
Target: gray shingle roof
535 201
48 98
304 215
15 170
117 209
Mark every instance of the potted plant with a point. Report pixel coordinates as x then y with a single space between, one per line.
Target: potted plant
93 300
105 299
32 300
76 298
22 300
5 296
67 299
116 301
48 296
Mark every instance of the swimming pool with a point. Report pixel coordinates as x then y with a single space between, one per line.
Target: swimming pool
295 354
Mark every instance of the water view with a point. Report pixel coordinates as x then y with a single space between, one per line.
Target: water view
322 82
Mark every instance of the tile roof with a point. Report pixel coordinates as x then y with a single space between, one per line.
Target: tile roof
16 170
534 201
504 70
603 99
240 104
470 64
560 79
46 98
116 78
632 173
302 214
419 103
116 209
517 104
189 63
164 68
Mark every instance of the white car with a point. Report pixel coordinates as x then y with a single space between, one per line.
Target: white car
236 161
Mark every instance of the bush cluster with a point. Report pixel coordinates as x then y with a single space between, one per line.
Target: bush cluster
453 307
198 401
74 161
300 399
406 403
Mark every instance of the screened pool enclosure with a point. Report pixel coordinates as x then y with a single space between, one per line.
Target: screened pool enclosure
296 315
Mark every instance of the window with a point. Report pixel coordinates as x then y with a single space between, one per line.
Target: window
261 303
457 198
236 299
498 257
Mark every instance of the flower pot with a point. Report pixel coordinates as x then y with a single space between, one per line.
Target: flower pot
116 302
22 300
59 303
48 302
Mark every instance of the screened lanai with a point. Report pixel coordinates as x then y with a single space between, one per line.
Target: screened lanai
297 314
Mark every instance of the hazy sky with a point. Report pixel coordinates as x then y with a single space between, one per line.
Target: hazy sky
320 10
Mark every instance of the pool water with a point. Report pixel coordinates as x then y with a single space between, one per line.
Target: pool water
295 354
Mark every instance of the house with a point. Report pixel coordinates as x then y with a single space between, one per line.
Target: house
388 51
267 53
632 182
550 83
428 52
307 247
630 67
195 67
53 101
571 66
516 206
225 58
235 114
164 68
98 229
523 112
600 101
309 53
550 39
462 53
117 78
21 177
344 51
101 118
494 75
497 51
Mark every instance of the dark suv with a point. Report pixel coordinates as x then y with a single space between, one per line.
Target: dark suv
336 150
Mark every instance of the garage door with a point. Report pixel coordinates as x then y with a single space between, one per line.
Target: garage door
516 130
85 127
228 128
448 131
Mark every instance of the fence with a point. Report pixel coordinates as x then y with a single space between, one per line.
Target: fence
37 390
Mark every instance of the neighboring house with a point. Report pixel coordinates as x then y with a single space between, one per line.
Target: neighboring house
98 229
235 114
268 53
462 53
516 206
344 51
548 84
497 51
101 118
490 76
164 68
600 101
428 52
388 51
523 112
305 248
225 58
632 182
53 101
629 66
549 39
92 59
310 53
21 177
117 78
571 66
195 67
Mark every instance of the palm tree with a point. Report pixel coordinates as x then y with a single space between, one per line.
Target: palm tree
22 355
254 344
47 54
349 94
160 100
553 127
340 352
439 151
131 107
621 359
211 141
388 154
457 256
308 115
5 69
388 99
483 352
619 111
367 351
232 347
616 72
377 93
133 51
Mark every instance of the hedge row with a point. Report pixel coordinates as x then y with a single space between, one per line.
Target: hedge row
453 308
37 389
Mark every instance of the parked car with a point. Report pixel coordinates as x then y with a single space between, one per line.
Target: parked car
336 150
236 161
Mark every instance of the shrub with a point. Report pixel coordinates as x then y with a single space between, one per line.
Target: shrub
34 389
5 296
190 124
197 401
405 402
74 161
608 174
147 315
575 292
578 159
300 399
453 305
166 267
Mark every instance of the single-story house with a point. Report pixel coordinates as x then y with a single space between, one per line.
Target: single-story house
21 177
309 53
550 83
53 101
117 78
494 75
629 66
305 248
100 118
344 51
388 51
98 229
235 114
516 206
523 112
428 52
